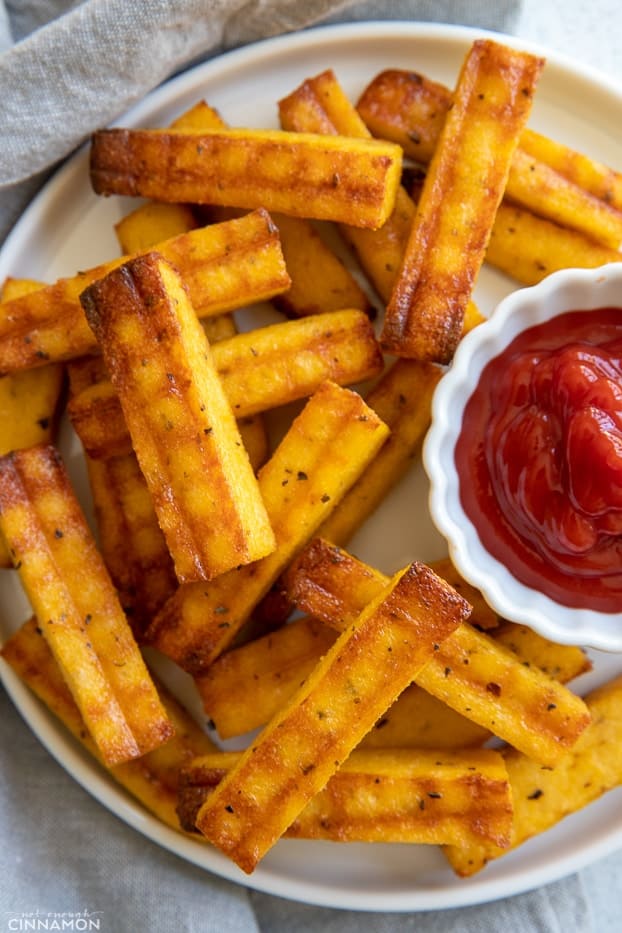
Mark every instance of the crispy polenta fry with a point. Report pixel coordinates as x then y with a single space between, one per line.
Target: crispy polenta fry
391 795
154 778
544 796
408 108
420 720
546 177
131 541
303 745
307 175
281 363
259 370
154 222
182 427
462 190
478 678
224 266
528 247
323 453
28 401
77 607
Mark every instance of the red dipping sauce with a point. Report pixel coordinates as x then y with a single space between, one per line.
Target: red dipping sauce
539 458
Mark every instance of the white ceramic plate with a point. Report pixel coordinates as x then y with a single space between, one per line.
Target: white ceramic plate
67 228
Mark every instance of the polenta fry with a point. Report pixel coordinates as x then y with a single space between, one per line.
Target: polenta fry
182 427
462 190
390 795
78 610
306 175
360 676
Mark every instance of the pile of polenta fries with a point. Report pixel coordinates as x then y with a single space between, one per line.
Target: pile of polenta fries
376 701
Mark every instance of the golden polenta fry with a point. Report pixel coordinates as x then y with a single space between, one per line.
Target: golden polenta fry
224 266
477 677
462 190
152 779
306 175
408 108
78 609
259 370
544 796
324 451
183 430
540 188
390 795
303 745
418 719
281 363
562 662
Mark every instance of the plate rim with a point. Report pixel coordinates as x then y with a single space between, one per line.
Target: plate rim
51 734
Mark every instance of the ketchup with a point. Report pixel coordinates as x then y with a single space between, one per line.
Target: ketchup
539 458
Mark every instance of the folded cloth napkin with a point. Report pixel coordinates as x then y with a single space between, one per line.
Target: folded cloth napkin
68 68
